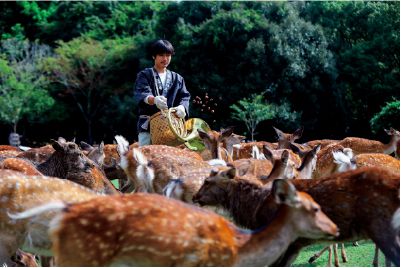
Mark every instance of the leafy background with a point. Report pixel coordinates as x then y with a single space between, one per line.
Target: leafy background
332 67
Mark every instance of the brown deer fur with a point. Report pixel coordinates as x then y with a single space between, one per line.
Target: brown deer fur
151 230
20 165
18 193
369 196
37 155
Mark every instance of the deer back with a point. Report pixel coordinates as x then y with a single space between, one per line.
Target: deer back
20 165
151 230
18 193
378 160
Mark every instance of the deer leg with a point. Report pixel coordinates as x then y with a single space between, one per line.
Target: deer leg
375 262
317 255
335 251
47 261
388 263
389 244
343 253
330 255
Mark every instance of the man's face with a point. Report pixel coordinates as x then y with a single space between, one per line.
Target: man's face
162 60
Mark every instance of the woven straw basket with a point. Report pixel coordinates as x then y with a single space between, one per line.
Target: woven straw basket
166 128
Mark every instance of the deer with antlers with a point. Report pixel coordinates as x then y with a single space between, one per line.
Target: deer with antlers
151 230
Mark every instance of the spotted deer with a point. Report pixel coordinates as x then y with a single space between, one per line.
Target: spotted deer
37 155
20 165
150 167
360 145
152 230
18 193
284 139
369 198
96 154
214 142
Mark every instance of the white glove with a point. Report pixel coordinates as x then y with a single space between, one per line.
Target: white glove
180 111
161 102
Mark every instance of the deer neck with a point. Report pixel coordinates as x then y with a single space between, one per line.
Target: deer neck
262 248
391 147
307 167
241 204
53 167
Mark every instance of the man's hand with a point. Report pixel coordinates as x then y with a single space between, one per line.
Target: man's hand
180 111
161 102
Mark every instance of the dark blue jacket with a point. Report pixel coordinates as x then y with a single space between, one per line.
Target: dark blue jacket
177 94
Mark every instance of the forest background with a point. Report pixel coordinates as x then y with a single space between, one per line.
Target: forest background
68 68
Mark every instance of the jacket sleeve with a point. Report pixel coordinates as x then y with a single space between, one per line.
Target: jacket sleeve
184 97
142 88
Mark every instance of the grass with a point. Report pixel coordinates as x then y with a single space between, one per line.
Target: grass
361 256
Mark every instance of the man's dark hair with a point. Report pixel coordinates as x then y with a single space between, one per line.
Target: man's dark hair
161 47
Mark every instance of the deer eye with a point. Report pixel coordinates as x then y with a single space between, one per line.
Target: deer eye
316 209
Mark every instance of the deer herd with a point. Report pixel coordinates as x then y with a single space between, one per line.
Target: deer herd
234 204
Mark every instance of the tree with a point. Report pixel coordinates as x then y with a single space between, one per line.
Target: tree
22 85
83 69
254 110
389 116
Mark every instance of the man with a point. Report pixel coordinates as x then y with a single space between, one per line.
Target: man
157 89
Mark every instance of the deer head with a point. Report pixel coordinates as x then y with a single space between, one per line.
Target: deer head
284 139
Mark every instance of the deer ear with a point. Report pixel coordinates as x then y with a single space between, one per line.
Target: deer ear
225 133
101 147
57 145
231 173
268 153
203 134
285 193
298 133
279 133
296 150
316 149
85 146
62 140
213 172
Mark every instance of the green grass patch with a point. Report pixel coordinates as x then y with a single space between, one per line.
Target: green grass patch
115 183
361 256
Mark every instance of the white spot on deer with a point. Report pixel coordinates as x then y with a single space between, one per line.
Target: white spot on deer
84 222
4 199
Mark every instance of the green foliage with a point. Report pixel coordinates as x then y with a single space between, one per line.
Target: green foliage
389 116
254 110
334 62
83 69
22 86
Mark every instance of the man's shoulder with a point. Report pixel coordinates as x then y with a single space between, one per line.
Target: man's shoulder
146 71
176 75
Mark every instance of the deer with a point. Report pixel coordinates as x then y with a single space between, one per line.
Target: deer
284 139
96 154
263 172
244 150
365 213
153 230
20 165
360 145
37 155
68 162
24 259
213 141
154 163
19 192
